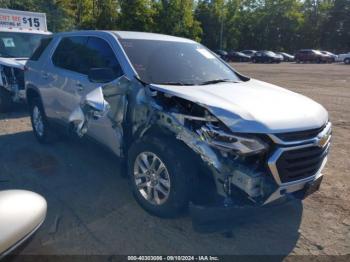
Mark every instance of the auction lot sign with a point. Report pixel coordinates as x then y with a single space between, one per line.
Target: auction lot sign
14 19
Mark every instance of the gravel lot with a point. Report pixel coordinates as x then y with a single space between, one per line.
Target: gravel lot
91 211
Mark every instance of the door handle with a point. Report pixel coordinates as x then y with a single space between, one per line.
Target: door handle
80 87
45 75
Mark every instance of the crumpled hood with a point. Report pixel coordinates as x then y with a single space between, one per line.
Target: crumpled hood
12 62
254 106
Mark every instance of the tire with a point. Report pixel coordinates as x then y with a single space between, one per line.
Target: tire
347 61
318 61
177 177
254 60
41 128
5 100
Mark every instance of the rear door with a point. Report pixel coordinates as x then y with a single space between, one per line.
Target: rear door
67 75
309 56
259 56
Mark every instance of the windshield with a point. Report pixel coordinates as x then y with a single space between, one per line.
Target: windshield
18 44
178 63
270 53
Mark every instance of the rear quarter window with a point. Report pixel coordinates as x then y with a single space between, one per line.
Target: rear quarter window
40 49
69 54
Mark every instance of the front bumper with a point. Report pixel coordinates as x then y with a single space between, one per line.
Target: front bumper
223 217
273 183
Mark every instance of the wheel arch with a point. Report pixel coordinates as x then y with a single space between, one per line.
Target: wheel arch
205 190
32 92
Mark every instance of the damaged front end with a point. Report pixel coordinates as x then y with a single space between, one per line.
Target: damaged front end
236 161
241 165
12 79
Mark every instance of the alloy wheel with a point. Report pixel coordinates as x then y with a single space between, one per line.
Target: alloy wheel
152 178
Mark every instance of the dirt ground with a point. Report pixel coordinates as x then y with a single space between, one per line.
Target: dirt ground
91 210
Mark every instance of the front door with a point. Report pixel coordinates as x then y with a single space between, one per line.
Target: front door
106 130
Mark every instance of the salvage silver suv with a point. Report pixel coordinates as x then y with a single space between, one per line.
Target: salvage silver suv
190 127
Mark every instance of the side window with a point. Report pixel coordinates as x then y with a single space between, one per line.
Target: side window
41 48
99 54
70 54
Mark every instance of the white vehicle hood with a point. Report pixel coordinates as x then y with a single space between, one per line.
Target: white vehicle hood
12 62
254 106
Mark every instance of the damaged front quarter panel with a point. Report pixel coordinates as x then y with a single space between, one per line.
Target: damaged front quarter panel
186 120
135 109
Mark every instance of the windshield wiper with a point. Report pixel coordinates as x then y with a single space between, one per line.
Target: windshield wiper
216 81
175 84
6 55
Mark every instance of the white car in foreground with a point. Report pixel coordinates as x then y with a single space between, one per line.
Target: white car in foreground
21 214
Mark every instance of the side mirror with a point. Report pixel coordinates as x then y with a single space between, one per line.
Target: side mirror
101 75
93 106
22 213
95 103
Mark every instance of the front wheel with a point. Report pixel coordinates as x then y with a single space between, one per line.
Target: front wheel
160 176
347 61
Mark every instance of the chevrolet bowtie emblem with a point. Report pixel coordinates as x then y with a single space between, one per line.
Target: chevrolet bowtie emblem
323 140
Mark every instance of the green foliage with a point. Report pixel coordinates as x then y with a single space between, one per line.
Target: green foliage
336 29
229 24
137 15
211 15
175 17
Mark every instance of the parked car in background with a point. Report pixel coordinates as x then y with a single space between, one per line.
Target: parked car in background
222 54
344 58
313 56
20 34
233 139
234 56
286 57
266 57
330 54
249 52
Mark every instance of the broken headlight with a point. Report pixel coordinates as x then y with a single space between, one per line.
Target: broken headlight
223 139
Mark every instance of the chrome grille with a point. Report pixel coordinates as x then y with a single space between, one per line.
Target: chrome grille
300 163
302 159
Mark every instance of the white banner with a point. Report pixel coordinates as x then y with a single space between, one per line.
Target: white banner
22 20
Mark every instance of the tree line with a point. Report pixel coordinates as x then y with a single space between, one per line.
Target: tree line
284 25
